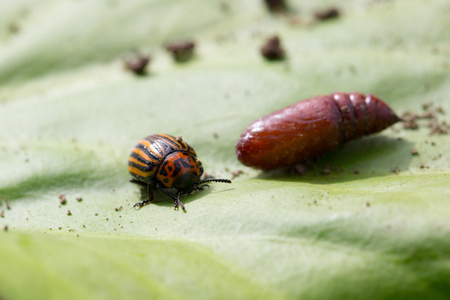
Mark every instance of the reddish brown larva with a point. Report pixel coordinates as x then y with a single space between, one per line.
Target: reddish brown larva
310 128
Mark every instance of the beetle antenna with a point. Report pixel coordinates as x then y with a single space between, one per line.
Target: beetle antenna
215 180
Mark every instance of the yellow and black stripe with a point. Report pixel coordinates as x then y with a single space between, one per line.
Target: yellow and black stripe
151 151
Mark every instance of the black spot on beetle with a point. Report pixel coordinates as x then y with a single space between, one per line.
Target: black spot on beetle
163 171
180 164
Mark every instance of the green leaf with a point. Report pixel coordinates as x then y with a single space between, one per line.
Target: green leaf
70 114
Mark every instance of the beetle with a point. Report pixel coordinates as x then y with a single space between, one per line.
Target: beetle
163 162
311 127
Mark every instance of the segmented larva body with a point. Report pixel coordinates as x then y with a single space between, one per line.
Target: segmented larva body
312 127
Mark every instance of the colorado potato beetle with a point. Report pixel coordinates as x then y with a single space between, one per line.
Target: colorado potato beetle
164 162
312 127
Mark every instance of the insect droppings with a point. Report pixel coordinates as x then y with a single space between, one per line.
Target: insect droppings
62 199
328 14
181 51
137 63
272 49
276 6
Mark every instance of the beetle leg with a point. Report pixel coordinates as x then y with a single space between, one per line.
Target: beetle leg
179 203
176 197
149 199
138 182
201 187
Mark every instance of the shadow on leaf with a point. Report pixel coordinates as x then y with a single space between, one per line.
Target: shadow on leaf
369 157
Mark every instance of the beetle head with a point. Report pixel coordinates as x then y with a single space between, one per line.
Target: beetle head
185 183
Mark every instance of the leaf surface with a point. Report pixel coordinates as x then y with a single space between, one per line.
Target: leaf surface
377 226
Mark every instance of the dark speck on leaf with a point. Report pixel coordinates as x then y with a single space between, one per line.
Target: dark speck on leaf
137 63
62 199
331 13
272 49
395 170
276 6
181 51
431 114
236 173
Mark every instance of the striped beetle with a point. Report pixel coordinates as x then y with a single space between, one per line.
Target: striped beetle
162 161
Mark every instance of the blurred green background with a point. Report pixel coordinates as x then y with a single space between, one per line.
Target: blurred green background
70 114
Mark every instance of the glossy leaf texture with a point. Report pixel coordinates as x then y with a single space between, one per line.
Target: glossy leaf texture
368 220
